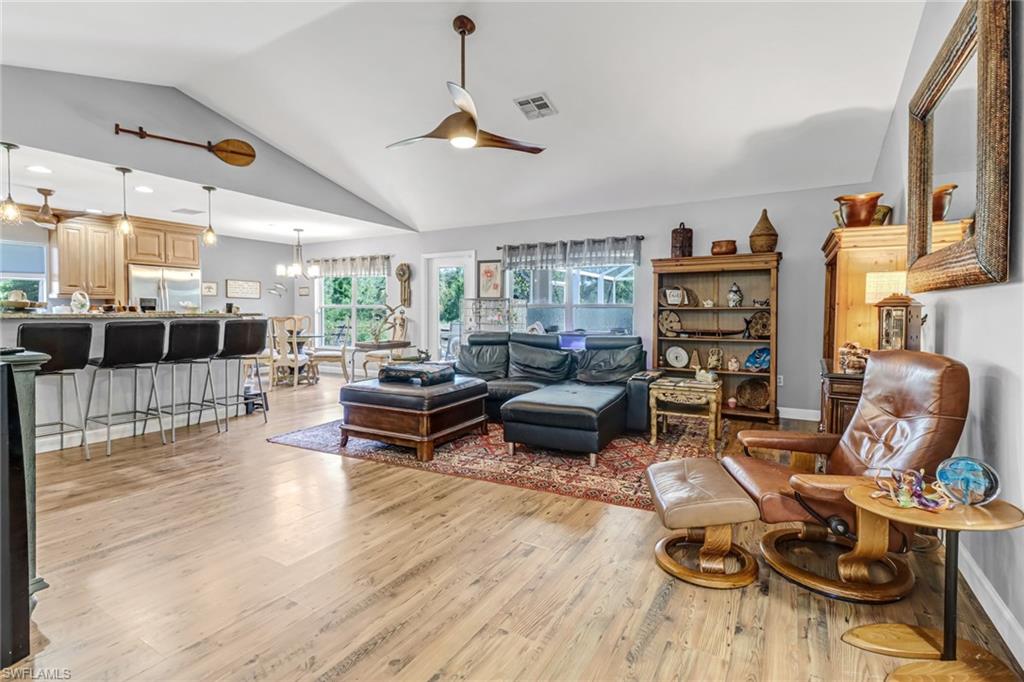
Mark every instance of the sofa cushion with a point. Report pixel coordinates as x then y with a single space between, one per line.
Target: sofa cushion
609 366
568 405
545 364
506 389
484 361
552 341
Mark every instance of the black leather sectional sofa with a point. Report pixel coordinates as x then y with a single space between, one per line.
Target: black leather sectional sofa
576 401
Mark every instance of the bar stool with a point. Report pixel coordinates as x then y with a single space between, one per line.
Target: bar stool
190 343
244 341
129 346
67 344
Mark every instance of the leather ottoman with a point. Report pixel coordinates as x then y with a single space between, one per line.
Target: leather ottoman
413 415
568 416
698 499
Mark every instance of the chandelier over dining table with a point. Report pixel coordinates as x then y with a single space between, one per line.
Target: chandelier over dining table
298 268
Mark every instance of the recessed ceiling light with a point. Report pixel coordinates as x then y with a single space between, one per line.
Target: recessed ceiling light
142 189
94 211
42 170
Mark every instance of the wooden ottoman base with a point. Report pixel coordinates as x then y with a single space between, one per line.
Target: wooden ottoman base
418 429
717 545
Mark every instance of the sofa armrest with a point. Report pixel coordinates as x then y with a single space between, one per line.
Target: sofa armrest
794 441
638 411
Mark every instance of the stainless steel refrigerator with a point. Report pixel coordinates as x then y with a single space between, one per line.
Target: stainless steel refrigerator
176 289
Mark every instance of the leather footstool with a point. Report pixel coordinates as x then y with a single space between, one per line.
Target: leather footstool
699 500
413 415
571 417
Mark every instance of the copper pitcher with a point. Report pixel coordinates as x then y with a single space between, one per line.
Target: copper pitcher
858 210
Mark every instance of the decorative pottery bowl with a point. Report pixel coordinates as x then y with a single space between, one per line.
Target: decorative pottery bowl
759 360
723 247
969 480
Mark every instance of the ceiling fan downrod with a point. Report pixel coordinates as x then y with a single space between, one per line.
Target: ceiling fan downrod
464 26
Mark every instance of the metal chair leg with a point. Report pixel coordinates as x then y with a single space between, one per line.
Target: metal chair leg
227 371
239 389
149 402
188 399
259 387
81 417
135 403
60 407
209 382
110 401
92 385
174 409
159 410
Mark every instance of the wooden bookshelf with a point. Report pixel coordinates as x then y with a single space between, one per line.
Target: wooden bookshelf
710 277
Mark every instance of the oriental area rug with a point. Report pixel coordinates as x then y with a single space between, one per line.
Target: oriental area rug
617 479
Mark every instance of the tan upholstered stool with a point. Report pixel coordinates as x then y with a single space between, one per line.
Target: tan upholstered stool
699 500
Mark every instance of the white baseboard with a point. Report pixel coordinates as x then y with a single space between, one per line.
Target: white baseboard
1011 629
800 413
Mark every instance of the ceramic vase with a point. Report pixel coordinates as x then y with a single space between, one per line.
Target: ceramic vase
723 247
858 210
764 238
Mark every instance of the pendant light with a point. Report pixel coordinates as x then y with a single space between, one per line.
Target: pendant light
9 211
209 236
124 225
298 266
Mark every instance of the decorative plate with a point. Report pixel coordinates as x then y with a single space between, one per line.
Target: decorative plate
969 480
759 360
669 323
753 394
759 326
677 356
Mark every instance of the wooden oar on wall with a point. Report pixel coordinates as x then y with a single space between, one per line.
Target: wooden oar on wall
230 151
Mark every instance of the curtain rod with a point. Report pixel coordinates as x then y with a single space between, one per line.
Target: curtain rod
639 238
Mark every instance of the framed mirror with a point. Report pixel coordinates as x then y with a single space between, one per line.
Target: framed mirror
972 64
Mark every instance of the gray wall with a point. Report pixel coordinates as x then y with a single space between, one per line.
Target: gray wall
982 327
249 259
73 114
803 220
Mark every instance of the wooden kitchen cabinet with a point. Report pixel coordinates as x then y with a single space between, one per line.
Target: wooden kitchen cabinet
146 245
86 257
182 249
156 242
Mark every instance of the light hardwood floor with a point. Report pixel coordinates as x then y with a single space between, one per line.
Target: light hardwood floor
224 556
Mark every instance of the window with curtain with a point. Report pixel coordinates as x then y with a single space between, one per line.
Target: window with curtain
348 308
595 299
23 266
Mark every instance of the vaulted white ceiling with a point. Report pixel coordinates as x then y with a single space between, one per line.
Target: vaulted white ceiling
658 103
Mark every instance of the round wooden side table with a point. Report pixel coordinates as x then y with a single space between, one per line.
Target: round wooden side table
911 641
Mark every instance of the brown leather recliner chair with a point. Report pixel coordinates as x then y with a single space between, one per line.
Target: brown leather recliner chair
910 416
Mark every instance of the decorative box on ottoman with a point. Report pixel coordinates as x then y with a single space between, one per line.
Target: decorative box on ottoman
427 373
412 414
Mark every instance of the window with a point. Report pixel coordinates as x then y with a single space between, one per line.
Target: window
595 299
349 308
23 267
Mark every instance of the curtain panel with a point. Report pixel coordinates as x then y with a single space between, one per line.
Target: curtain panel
572 254
356 266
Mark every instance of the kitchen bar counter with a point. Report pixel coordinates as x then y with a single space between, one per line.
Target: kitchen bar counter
110 317
47 393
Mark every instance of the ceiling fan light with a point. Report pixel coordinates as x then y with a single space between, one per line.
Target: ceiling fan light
463 142
282 270
313 271
124 225
9 211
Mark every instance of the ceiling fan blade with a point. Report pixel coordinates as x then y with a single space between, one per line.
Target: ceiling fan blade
458 124
486 139
462 99
408 140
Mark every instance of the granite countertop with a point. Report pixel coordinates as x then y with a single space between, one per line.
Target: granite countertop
98 317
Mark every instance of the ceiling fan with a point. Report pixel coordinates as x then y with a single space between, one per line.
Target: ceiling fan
460 128
48 218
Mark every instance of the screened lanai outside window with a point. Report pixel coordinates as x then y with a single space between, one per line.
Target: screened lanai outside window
23 267
594 299
349 307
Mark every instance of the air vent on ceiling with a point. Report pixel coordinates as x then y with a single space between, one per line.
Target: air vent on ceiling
536 106
187 211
